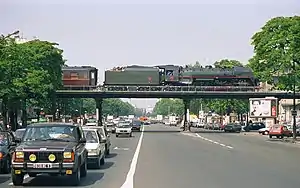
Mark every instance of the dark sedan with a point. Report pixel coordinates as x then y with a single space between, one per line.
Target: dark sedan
136 125
7 146
233 127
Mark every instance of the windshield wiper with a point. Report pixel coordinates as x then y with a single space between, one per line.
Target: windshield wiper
58 139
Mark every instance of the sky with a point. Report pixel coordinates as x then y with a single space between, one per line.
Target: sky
109 33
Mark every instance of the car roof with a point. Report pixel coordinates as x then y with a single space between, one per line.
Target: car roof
91 127
52 124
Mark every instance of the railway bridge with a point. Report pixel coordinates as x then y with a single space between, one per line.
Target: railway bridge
185 93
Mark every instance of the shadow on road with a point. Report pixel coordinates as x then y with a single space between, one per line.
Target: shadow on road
111 155
89 180
4 178
107 165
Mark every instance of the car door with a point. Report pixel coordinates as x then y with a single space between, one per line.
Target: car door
101 145
11 147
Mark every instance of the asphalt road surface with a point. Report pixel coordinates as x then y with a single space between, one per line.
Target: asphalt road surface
163 157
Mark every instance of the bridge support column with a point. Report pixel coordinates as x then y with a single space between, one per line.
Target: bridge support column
186 124
99 111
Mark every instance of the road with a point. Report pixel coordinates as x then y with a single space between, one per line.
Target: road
162 157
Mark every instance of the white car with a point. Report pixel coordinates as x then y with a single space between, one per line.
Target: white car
264 131
123 128
95 146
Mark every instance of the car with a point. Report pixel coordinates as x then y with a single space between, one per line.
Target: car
124 128
232 127
136 125
95 146
105 137
53 148
7 146
19 133
280 131
264 131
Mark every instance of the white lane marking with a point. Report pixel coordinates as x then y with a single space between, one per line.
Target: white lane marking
117 148
215 142
25 177
129 179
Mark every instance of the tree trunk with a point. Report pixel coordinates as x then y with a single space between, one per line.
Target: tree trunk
24 113
4 112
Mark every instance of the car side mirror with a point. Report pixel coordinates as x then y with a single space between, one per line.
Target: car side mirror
82 140
17 140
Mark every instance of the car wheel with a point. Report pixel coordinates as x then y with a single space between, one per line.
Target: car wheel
17 179
117 135
98 163
102 161
6 167
270 136
75 178
266 133
83 169
107 151
130 135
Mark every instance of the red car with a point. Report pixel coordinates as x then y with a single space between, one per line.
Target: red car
279 131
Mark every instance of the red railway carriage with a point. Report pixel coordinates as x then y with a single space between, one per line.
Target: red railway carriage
80 77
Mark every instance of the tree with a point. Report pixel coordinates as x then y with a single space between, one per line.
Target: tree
169 106
276 47
227 64
28 70
221 106
117 107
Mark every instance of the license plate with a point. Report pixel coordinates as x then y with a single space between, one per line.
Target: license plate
42 165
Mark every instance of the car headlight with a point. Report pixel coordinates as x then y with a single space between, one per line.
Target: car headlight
19 155
68 155
93 151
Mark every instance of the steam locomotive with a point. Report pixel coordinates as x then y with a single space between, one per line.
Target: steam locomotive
167 77
79 77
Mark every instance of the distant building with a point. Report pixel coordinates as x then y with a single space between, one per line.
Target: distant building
285 106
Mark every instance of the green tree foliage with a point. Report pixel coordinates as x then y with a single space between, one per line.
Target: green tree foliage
28 70
115 107
276 47
227 64
169 106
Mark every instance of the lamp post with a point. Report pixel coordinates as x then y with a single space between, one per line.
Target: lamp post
294 112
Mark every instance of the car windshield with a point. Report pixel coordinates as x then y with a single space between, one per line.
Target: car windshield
124 124
92 121
3 139
91 136
19 133
50 132
137 123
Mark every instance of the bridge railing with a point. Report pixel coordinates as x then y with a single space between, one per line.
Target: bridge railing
175 88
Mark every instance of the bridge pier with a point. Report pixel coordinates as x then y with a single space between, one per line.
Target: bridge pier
186 125
99 111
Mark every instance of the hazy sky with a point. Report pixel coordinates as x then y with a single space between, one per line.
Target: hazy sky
145 32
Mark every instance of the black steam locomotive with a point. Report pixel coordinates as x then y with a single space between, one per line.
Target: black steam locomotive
167 77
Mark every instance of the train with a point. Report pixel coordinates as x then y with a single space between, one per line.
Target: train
79 77
169 77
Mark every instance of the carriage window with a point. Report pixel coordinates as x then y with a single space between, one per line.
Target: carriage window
92 75
74 75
